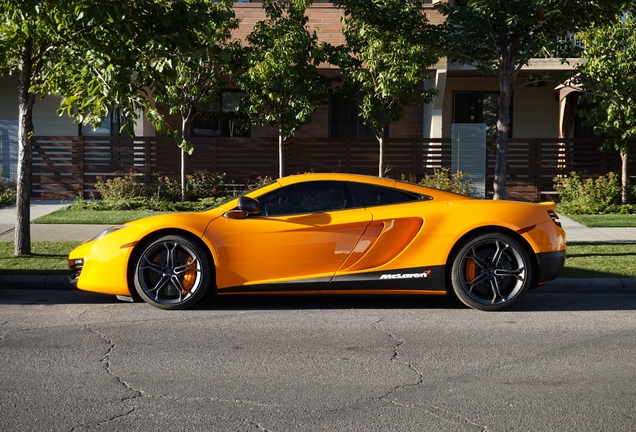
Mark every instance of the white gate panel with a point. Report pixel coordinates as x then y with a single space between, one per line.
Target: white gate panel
9 149
469 154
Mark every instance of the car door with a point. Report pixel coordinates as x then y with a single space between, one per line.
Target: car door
303 235
396 222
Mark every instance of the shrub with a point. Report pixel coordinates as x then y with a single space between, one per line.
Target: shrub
443 179
145 204
124 187
591 195
7 191
205 185
133 188
260 181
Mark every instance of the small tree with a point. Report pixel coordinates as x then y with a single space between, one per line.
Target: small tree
390 45
499 37
97 54
281 77
609 80
198 74
27 37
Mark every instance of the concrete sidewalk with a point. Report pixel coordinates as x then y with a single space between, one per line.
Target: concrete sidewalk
46 231
576 233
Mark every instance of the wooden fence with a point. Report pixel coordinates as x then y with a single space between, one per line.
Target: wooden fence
68 167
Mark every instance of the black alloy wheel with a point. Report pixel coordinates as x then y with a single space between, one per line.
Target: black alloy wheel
172 272
490 272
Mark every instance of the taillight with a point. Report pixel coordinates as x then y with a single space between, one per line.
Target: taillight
555 217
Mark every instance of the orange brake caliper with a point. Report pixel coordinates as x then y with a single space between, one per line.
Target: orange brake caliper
471 270
190 275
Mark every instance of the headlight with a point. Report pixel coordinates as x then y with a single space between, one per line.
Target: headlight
107 231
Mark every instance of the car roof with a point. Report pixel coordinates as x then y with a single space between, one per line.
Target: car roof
298 178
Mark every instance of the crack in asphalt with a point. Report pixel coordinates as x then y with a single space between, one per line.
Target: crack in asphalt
394 358
420 380
105 362
457 416
2 333
256 425
103 422
213 399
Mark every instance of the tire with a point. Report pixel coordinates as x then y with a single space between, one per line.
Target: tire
491 272
172 272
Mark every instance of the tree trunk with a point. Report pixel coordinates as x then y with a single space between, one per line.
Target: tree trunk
380 138
624 177
281 150
183 177
184 125
26 100
506 84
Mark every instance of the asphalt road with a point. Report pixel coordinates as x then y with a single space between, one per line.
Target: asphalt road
73 361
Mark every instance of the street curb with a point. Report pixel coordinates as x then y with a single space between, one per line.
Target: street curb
590 285
36 282
561 285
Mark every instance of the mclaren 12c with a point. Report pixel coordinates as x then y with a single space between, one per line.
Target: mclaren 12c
330 234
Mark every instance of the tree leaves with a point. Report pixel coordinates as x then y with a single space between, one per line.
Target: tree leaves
280 74
390 45
499 37
609 80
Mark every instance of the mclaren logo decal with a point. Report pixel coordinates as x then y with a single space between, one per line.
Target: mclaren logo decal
406 275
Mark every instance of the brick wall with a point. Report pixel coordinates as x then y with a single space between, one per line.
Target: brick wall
325 19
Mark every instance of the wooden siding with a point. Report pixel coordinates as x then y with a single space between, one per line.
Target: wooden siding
68 167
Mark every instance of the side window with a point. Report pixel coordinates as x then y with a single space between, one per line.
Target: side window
478 107
370 195
111 125
344 119
222 118
310 197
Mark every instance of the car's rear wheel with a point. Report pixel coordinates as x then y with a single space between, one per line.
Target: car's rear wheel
172 272
491 271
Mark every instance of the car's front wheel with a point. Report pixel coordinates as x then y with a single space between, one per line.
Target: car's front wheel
172 272
491 271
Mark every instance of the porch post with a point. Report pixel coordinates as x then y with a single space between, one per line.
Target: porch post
432 124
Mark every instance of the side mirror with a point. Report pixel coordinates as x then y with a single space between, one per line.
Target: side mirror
246 206
250 205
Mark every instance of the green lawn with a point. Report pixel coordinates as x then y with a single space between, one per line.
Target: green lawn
103 217
605 220
583 261
600 260
48 257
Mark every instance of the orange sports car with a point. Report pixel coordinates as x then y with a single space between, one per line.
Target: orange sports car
330 234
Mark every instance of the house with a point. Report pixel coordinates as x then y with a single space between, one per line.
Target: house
464 97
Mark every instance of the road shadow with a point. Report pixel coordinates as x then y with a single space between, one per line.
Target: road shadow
52 297
534 301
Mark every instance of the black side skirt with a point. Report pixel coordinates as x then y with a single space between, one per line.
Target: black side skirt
411 279
418 278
